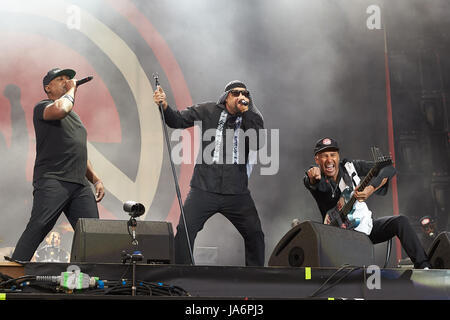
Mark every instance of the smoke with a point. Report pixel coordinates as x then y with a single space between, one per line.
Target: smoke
295 60
314 69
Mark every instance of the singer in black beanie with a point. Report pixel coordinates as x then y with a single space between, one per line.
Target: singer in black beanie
220 179
62 171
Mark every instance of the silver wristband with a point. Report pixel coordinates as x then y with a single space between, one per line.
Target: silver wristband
69 97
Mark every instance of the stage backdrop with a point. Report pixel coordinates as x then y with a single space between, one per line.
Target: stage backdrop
314 68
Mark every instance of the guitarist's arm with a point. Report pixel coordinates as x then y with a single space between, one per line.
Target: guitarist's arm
381 187
378 185
367 192
316 183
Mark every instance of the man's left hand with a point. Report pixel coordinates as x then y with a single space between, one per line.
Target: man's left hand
363 195
99 191
242 108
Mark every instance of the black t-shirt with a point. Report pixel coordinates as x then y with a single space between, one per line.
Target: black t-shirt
61 151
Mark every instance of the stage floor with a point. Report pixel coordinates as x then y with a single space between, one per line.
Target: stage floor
240 283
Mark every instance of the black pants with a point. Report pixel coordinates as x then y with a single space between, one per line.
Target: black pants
239 209
387 227
51 197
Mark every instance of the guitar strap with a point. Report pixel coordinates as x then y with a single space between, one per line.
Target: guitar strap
363 212
350 178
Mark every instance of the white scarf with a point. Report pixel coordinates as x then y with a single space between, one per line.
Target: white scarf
219 137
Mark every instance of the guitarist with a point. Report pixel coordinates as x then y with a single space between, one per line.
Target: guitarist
331 176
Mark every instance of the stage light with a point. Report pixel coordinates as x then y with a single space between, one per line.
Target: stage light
428 226
134 209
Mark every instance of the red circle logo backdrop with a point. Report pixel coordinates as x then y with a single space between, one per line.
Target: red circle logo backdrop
116 108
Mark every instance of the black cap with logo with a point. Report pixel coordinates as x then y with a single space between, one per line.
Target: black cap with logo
56 72
325 144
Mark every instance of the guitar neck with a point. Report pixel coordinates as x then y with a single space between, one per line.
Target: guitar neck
367 179
349 205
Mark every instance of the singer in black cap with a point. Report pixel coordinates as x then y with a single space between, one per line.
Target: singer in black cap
220 180
62 171
328 179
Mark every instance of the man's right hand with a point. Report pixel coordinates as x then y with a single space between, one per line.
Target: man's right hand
159 96
314 175
71 84
327 219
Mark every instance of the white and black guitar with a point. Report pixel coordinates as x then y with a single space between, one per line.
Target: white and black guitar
355 215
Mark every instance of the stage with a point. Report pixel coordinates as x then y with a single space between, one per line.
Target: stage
179 282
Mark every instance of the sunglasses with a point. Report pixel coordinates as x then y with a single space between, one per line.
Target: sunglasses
237 93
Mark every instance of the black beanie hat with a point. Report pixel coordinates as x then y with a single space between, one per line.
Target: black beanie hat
235 84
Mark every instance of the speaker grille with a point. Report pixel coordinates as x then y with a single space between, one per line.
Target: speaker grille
312 244
296 257
103 241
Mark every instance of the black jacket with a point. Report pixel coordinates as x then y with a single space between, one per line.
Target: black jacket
324 190
224 177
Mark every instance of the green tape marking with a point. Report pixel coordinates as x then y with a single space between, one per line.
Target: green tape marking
307 273
80 281
2 296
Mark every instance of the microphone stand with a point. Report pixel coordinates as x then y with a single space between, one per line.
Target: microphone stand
136 255
174 173
133 224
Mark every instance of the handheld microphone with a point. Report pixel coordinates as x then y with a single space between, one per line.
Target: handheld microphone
84 80
244 102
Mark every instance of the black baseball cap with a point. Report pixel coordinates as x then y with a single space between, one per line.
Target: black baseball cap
325 144
56 72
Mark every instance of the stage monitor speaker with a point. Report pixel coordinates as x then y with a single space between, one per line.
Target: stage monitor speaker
103 241
439 251
312 244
